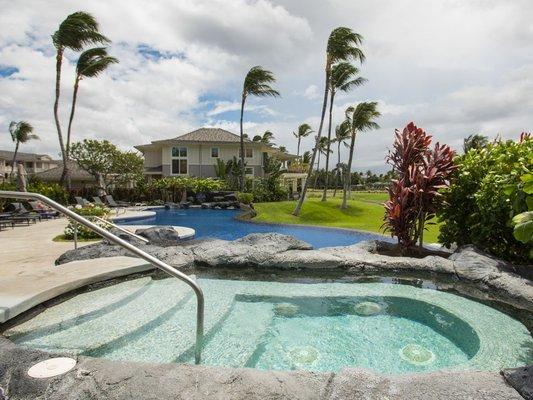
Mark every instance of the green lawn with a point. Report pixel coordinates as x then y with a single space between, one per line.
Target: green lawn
364 213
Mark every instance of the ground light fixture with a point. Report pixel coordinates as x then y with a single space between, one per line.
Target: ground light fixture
52 367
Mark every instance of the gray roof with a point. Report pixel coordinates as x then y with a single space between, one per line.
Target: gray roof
76 173
208 135
8 155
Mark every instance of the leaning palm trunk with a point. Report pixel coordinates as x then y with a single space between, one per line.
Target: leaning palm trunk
242 171
332 97
298 207
59 59
14 162
339 171
72 111
317 171
348 175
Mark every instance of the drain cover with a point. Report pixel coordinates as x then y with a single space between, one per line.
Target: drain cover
286 309
52 367
416 354
367 308
304 355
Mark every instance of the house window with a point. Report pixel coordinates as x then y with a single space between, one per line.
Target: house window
38 165
249 171
248 153
179 160
214 152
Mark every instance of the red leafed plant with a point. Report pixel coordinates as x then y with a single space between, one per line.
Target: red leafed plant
421 171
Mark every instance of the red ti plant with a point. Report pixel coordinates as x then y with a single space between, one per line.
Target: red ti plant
421 172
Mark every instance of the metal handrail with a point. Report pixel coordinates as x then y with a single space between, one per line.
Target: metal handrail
105 221
128 246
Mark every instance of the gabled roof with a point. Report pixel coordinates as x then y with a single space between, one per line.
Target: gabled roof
8 155
207 135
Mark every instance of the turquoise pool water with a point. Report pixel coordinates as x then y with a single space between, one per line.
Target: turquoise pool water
389 328
221 224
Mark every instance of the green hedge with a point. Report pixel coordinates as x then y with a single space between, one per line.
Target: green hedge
481 203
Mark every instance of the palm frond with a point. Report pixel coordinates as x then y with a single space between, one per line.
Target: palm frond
94 61
77 31
22 131
257 83
362 116
343 44
304 130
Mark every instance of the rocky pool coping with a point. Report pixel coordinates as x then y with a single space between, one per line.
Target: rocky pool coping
94 378
475 274
99 378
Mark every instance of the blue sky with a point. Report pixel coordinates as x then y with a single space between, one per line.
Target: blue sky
455 67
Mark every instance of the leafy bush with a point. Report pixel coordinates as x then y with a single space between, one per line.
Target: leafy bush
414 195
52 190
490 187
266 190
87 211
245 198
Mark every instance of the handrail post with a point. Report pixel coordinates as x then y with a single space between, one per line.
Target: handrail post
132 249
75 225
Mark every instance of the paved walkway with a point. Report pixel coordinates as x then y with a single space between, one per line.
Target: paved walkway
29 276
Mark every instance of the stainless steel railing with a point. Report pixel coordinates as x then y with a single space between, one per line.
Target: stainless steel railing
131 248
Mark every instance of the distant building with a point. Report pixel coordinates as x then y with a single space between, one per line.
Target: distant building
196 154
33 163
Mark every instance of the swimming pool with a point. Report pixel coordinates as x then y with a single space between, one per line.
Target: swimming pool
221 224
320 326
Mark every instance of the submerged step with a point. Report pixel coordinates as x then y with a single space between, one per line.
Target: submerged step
240 335
106 325
174 338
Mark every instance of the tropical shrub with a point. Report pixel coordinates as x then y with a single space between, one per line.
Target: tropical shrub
245 198
54 191
87 211
491 187
414 196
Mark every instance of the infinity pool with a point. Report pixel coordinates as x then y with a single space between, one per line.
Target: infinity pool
323 326
221 224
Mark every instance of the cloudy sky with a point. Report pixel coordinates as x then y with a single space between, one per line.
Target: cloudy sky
455 67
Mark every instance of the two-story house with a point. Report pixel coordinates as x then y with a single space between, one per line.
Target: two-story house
33 163
196 154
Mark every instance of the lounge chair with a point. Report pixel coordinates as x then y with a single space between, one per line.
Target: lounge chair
43 210
17 219
18 210
112 203
98 201
6 222
81 201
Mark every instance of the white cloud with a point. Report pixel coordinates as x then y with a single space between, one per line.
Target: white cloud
453 66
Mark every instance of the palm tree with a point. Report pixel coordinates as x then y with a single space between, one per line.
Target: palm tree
342 134
76 31
343 78
323 148
304 130
477 141
91 63
342 46
361 118
283 149
21 132
306 157
266 138
256 83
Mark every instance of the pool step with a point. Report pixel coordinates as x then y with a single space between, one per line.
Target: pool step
112 324
173 339
237 339
80 308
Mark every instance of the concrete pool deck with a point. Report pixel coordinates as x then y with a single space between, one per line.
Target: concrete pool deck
29 274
